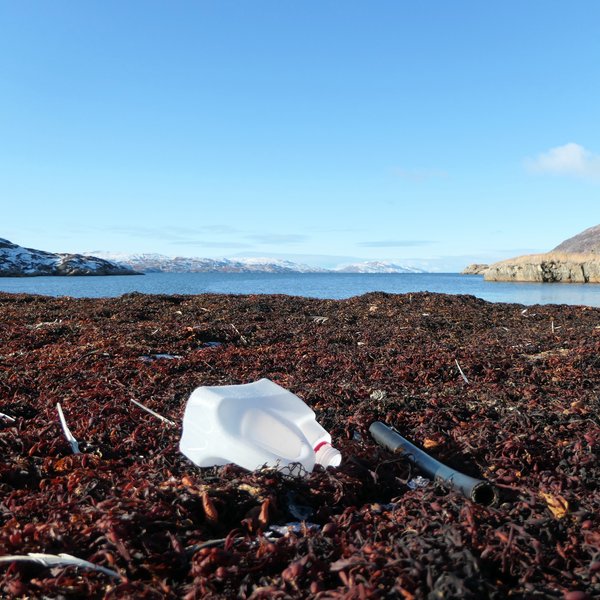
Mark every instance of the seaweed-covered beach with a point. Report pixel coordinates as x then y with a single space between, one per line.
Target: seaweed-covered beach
523 414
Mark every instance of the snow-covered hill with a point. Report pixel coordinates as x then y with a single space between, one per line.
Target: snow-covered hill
377 267
16 261
159 263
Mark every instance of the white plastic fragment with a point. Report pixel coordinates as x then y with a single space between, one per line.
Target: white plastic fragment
293 527
72 441
59 560
153 357
418 482
7 417
461 372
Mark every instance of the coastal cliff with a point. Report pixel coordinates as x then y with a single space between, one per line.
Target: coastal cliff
551 267
576 260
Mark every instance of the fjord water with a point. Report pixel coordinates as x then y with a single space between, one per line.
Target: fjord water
314 285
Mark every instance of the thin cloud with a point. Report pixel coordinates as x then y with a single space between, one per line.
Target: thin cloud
219 244
394 243
173 234
571 159
420 175
278 238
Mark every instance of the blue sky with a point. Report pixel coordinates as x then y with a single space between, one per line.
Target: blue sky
434 134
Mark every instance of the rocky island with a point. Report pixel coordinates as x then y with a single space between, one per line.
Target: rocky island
576 260
16 261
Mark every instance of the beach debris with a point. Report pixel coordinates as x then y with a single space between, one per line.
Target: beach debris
418 482
461 372
59 560
296 527
68 435
318 319
153 357
7 417
242 338
378 395
477 490
297 509
254 425
47 324
153 413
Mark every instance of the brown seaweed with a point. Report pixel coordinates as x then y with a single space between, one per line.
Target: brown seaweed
498 391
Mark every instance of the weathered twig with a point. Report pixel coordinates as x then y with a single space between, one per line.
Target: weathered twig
154 414
244 340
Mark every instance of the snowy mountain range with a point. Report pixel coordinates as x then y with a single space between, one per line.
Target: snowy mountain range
159 263
16 261
377 266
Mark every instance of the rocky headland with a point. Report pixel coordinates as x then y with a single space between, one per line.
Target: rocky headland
576 260
552 267
16 261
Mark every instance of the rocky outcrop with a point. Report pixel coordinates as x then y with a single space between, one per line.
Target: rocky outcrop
475 269
547 268
576 260
16 261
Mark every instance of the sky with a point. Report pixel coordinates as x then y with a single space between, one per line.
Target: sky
432 134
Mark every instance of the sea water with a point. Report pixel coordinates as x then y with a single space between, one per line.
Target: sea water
313 285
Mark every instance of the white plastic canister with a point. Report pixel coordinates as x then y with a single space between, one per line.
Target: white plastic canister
254 425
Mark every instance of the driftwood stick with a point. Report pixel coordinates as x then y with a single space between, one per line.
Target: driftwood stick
154 414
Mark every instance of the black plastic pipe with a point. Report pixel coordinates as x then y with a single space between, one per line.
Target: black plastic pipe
477 490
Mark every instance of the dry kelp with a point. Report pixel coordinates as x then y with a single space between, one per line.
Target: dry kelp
494 390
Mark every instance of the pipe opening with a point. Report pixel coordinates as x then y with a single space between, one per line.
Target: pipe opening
484 493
